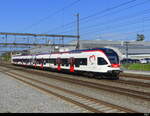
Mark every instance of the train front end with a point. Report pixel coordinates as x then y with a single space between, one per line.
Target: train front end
114 63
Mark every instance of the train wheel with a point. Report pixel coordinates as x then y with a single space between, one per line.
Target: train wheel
91 75
99 76
114 76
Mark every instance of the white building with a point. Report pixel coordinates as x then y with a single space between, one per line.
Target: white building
130 49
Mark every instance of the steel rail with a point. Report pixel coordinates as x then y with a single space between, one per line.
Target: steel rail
136 76
129 82
133 83
93 100
112 89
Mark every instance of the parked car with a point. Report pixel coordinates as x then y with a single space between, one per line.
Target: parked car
135 60
147 59
143 61
126 61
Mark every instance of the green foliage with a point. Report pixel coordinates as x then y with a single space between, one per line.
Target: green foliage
141 67
6 57
140 37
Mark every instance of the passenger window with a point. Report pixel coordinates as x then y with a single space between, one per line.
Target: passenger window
80 61
102 61
44 61
65 62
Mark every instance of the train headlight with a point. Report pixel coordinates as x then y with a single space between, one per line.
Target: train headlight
115 65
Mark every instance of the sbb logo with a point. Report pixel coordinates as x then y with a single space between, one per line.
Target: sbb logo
92 59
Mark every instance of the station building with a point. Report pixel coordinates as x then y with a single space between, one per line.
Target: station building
125 49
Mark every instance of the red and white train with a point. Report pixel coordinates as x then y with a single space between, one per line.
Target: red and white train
100 62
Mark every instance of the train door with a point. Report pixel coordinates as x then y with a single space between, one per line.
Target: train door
58 62
72 64
22 61
42 62
26 62
34 62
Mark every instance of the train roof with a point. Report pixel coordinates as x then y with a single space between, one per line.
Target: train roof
103 49
73 51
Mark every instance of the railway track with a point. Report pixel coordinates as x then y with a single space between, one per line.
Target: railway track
118 90
87 103
134 83
112 89
129 82
128 75
135 76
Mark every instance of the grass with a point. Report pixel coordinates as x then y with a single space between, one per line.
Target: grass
140 67
6 57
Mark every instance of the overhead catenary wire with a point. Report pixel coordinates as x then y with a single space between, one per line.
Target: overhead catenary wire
116 27
97 13
107 10
87 18
130 32
97 33
50 15
116 19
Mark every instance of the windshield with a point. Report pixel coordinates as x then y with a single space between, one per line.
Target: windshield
112 56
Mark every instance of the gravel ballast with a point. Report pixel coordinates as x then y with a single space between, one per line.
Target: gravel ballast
124 101
16 97
121 100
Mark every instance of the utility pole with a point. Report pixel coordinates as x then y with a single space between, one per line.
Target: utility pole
127 49
78 32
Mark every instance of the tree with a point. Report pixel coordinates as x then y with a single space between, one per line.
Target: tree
140 37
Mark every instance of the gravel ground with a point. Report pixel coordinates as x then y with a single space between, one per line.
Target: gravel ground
134 79
147 73
124 101
16 97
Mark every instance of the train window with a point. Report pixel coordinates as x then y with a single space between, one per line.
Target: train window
113 59
44 61
30 61
52 61
101 61
77 62
112 56
83 61
65 62
47 60
59 61
34 61
39 61
80 61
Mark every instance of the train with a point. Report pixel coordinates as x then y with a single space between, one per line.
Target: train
97 62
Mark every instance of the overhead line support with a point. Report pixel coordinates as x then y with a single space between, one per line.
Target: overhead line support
45 35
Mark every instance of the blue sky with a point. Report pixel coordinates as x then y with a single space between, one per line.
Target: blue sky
47 16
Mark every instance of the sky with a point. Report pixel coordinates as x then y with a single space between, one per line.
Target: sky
99 19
